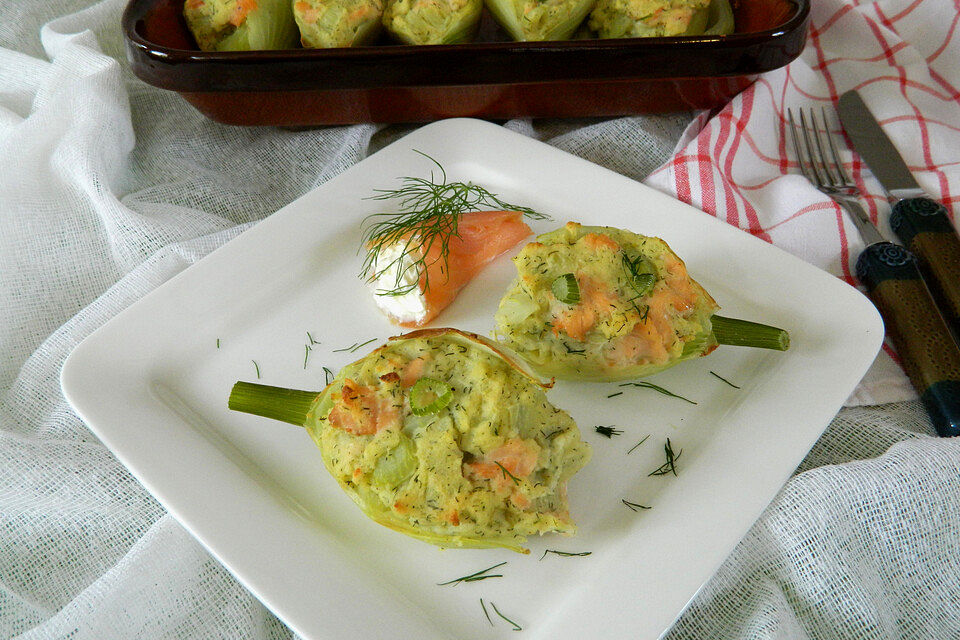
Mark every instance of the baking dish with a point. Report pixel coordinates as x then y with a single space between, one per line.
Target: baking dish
491 78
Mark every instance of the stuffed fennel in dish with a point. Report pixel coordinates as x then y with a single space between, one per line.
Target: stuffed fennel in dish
241 25
421 22
440 435
327 24
661 18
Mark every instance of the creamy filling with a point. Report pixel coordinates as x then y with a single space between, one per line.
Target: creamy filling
407 307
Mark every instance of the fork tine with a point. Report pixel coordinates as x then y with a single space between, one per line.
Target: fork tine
813 158
844 178
805 169
828 170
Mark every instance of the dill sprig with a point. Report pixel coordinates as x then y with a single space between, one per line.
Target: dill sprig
608 431
428 216
565 554
516 627
634 506
650 385
257 367
474 577
485 612
614 395
328 376
306 354
507 473
638 444
717 375
355 346
670 465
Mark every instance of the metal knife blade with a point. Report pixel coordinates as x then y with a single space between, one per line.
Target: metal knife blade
875 148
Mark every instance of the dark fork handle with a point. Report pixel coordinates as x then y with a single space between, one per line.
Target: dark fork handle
928 352
923 226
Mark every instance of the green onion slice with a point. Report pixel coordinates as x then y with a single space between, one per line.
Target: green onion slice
566 289
429 396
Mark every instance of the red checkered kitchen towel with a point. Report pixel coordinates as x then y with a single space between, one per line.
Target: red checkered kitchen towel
904 59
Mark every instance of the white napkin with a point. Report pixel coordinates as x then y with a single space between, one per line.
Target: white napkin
738 165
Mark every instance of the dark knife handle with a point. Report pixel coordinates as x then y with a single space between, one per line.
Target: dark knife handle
929 355
924 227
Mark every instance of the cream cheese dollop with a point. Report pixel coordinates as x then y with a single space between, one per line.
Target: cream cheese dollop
410 307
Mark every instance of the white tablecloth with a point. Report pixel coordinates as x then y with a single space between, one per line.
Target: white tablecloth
108 187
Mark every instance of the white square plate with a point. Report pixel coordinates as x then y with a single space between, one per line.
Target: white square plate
153 385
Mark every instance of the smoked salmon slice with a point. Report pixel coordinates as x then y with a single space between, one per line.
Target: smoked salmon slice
442 272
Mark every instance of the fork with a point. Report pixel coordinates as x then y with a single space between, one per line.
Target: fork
830 179
889 272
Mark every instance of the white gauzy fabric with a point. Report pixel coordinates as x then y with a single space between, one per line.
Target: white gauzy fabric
109 187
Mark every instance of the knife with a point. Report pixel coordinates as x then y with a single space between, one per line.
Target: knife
920 223
889 272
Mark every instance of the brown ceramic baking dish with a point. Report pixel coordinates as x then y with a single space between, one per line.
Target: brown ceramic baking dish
490 78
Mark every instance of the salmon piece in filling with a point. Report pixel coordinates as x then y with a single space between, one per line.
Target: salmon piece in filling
515 457
360 411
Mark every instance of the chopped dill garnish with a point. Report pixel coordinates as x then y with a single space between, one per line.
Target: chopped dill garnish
516 627
670 465
218 343
608 431
650 385
312 341
717 375
565 554
474 577
485 612
363 344
614 395
634 506
638 444
569 350
552 434
306 354
328 376
428 216
257 367
507 473
355 346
